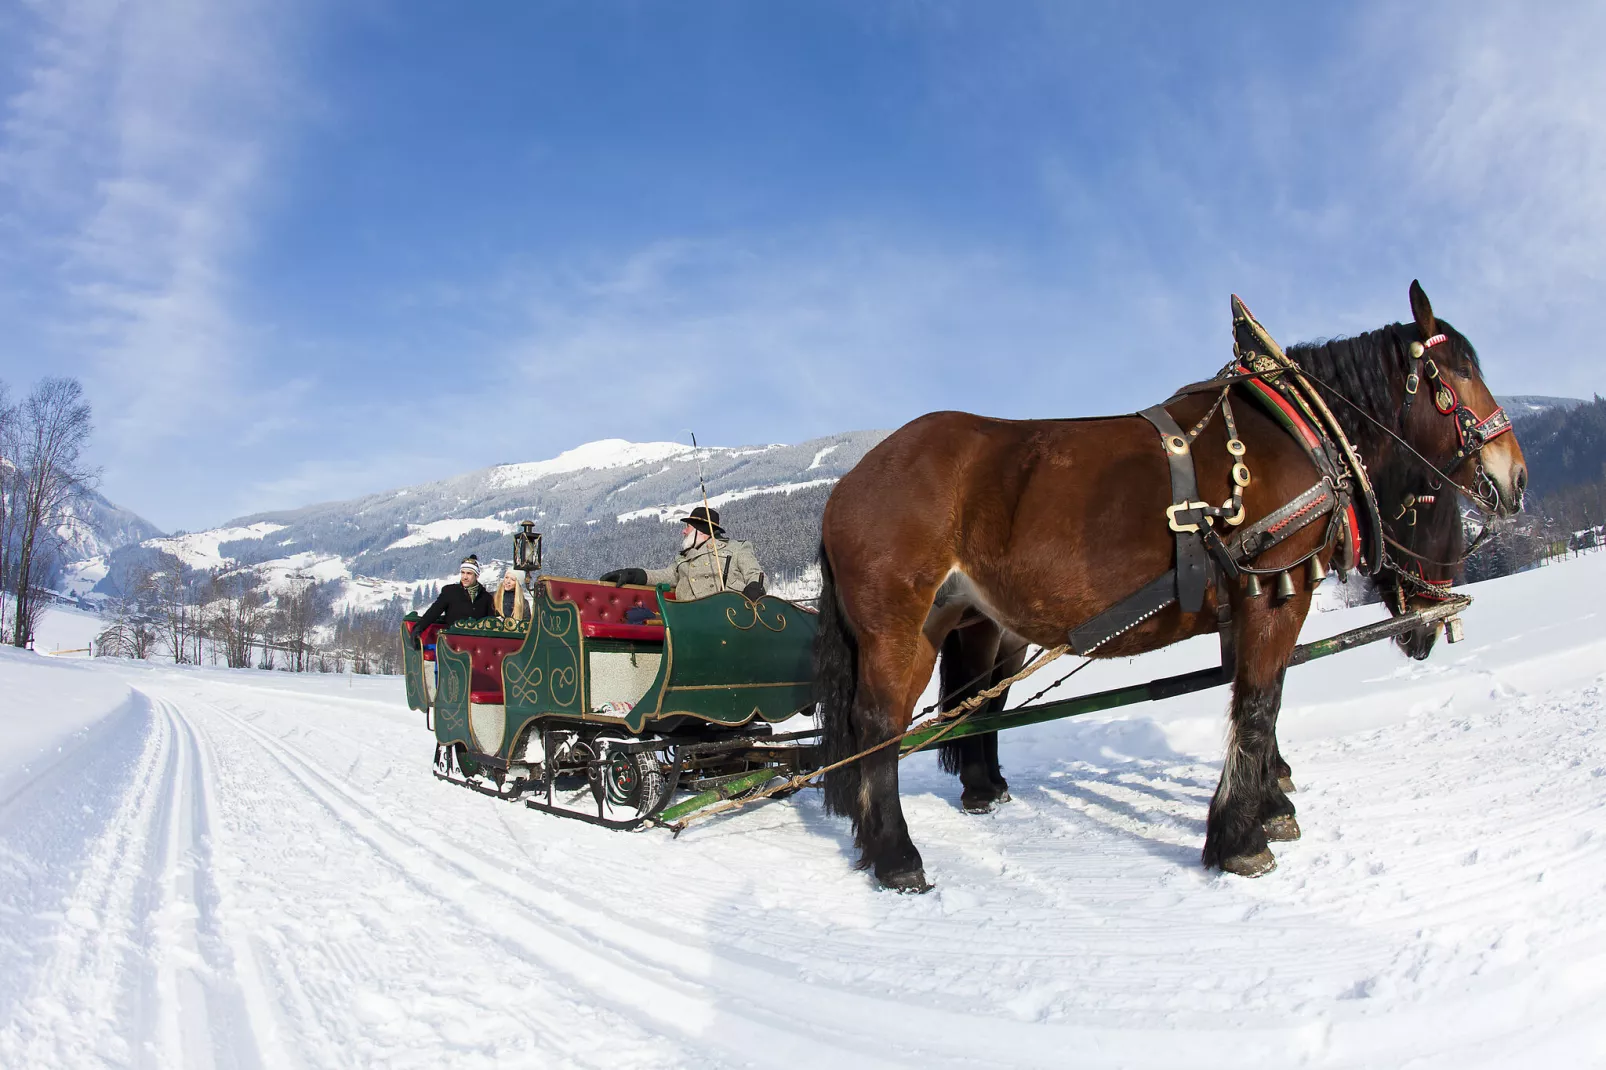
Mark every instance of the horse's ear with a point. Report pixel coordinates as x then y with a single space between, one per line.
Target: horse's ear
1423 311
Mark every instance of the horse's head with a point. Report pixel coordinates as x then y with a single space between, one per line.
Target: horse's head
1449 417
1461 429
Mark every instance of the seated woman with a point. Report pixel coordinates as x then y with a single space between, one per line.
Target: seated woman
508 600
708 562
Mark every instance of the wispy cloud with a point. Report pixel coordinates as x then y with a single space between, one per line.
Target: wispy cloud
136 148
816 333
1503 131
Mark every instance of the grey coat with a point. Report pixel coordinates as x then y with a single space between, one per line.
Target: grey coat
695 574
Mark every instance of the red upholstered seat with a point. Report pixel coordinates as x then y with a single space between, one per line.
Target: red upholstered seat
485 654
427 642
602 608
492 697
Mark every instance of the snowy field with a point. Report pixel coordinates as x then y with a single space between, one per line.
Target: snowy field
236 868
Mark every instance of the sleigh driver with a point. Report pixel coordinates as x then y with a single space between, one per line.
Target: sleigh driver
709 562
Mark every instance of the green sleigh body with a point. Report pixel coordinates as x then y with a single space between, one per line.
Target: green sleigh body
722 662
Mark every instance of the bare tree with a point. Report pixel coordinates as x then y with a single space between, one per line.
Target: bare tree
10 496
51 428
131 628
178 610
301 607
237 614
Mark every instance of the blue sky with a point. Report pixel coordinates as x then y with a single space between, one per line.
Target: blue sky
303 251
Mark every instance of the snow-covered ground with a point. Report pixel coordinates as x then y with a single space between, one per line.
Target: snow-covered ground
212 867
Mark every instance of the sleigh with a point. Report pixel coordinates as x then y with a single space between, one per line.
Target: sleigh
610 699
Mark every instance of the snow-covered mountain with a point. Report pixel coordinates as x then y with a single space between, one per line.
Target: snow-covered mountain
600 505
94 530
1518 406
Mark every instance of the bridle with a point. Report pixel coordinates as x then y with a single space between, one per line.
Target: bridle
1472 432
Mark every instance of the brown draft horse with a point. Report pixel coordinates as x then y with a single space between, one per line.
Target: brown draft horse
1021 530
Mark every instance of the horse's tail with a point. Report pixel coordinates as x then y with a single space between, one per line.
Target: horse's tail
951 752
836 686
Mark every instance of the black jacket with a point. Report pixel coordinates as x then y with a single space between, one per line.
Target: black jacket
454 605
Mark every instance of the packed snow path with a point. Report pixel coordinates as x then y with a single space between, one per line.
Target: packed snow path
211 868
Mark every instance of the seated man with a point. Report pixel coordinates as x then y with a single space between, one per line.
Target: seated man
464 600
708 562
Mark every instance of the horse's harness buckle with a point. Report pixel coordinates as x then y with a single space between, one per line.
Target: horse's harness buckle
1176 525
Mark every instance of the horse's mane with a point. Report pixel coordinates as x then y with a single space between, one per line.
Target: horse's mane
1370 369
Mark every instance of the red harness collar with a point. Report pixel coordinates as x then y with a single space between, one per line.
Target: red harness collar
1301 429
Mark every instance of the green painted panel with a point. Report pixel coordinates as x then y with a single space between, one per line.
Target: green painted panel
452 675
543 676
729 660
413 671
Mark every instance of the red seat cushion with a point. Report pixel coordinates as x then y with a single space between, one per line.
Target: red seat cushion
427 640
602 608
492 697
645 632
485 654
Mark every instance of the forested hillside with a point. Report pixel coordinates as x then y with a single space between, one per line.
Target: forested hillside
1565 447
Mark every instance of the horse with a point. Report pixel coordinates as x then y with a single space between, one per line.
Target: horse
975 537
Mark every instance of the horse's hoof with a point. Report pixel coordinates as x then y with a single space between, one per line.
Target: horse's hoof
1255 865
1280 829
1285 784
982 804
911 883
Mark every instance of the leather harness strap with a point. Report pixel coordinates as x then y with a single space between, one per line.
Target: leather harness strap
1192 572
1126 614
1271 529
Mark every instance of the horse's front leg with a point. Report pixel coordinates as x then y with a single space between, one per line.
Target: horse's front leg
1276 808
1285 772
1249 807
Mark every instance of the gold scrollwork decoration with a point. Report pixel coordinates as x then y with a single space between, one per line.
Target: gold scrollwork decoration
562 676
524 684
758 618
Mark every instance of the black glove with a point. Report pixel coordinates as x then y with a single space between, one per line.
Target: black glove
753 591
414 641
621 576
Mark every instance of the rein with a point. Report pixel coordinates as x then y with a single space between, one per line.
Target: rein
1473 433
1500 413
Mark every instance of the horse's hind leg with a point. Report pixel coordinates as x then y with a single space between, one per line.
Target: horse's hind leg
975 759
969 664
890 682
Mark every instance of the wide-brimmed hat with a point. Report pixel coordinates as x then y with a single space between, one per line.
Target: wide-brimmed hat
702 518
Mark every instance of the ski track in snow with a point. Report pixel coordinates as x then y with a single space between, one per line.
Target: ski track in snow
243 869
